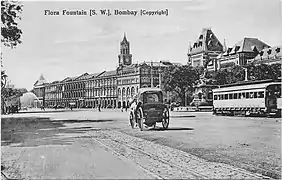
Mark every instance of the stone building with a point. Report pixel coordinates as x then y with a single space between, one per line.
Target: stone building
39 90
205 49
109 88
241 52
268 56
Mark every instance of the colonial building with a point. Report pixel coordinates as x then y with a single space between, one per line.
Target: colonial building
39 90
241 52
108 88
206 48
268 56
131 77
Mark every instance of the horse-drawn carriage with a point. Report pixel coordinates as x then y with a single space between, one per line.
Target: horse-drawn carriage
148 108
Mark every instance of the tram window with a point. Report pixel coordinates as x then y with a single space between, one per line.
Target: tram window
260 94
247 95
251 94
225 96
221 97
230 96
235 95
255 94
243 95
215 97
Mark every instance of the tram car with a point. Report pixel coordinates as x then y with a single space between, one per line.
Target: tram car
254 98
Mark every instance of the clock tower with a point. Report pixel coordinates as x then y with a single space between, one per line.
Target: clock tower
124 58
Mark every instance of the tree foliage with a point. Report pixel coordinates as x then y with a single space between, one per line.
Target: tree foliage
180 79
10 32
255 72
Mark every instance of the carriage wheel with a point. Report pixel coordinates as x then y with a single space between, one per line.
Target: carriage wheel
165 120
132 120
140 119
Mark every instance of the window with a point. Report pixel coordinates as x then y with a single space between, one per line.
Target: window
230 96
225 96
261 94
235 95
251 94
255 94
215 97
247 95
243 95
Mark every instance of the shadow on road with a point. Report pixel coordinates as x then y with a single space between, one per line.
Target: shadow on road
171 129
81 121
36 131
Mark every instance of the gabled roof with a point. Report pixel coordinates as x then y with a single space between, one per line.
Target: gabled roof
68 79
40 81
108 73
249 45
207 41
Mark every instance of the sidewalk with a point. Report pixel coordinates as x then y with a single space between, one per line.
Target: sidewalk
44 149
84 159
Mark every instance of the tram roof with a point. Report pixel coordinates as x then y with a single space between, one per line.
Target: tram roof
247 85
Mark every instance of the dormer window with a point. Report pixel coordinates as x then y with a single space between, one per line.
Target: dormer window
269 51
200 43
254 48
195 45
277 50
201 36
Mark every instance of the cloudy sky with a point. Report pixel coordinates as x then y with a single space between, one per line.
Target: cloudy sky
62 46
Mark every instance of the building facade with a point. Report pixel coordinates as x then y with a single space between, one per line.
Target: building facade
241 53
205 49
268 56
39 91
110 89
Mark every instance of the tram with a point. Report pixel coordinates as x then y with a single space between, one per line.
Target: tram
251 98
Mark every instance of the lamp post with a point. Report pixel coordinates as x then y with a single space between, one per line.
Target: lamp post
160 80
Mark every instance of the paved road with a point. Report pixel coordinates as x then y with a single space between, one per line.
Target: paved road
89 144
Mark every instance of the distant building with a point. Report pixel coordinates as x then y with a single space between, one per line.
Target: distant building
241 52
205 49
109 89
39 90
268 56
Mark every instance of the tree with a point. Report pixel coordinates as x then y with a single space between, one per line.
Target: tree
180 79
10 36
255 72
10 32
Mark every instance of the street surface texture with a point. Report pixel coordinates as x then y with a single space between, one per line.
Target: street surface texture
87 144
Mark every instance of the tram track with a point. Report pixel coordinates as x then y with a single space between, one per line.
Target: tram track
181 164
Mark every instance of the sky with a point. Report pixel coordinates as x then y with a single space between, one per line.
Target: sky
67 46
